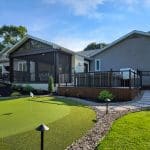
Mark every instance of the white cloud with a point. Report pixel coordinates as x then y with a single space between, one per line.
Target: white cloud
81 7
73 43
90 8
131 4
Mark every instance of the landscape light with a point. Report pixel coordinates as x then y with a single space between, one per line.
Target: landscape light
42 128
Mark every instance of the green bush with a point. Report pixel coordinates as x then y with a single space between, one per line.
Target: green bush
50 84
27 89
2 85
104 95
17 87
14 94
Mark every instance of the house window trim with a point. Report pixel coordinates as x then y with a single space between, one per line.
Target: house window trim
96 64
22 63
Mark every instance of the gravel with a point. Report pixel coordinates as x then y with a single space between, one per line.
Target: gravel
97 133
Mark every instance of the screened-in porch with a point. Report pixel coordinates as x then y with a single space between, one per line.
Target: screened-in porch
38 67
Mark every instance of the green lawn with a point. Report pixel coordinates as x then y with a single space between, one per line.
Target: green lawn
66 119
131 132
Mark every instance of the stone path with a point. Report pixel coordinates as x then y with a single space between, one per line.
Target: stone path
145 100
142 102
104 121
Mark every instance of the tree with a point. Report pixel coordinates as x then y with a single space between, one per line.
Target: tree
93 46
10 35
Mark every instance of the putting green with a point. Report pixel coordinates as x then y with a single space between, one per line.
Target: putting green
67 120
24 114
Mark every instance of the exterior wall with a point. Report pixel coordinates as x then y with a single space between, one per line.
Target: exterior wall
131 53
41 61
122 94
78 63
3 68
88 63
32 47
35 86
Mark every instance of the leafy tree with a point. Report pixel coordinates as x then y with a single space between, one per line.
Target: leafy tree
10 35
93 46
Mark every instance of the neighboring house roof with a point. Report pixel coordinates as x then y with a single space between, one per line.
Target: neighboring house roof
92 53
55 46
88 53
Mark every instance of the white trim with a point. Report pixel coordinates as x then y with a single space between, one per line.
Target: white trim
22 63
97 60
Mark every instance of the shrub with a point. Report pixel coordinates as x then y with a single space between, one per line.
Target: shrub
2 85
104 95
17 87
27 89
50 84
14 94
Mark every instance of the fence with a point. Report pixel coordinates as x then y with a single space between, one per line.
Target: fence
127 78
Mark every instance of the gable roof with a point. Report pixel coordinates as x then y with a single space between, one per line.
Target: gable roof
88 53
55 46
92 53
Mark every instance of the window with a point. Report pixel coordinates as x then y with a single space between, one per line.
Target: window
22 66
97 65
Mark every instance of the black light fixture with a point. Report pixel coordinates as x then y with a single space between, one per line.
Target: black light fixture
42 128
107 102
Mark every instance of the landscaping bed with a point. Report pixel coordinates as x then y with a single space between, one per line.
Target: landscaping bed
104 123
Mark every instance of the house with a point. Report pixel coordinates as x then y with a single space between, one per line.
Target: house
33 60
122 67
130 51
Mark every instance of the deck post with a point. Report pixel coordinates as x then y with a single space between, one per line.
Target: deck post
141 79
11 75
110 78
58 79
130 79
28 71
134 79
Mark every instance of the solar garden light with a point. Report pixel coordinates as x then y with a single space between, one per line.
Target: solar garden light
107 102
42 128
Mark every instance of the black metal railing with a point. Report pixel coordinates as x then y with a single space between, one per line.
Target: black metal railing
127 78
24 77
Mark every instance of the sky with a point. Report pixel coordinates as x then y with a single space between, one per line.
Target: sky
76 23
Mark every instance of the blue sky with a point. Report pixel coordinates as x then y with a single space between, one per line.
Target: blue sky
75 23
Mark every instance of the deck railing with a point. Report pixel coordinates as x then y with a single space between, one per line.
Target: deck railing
127 78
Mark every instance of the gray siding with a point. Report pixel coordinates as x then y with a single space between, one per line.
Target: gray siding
130 53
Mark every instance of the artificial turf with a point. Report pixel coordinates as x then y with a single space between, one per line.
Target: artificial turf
131 132
66 119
